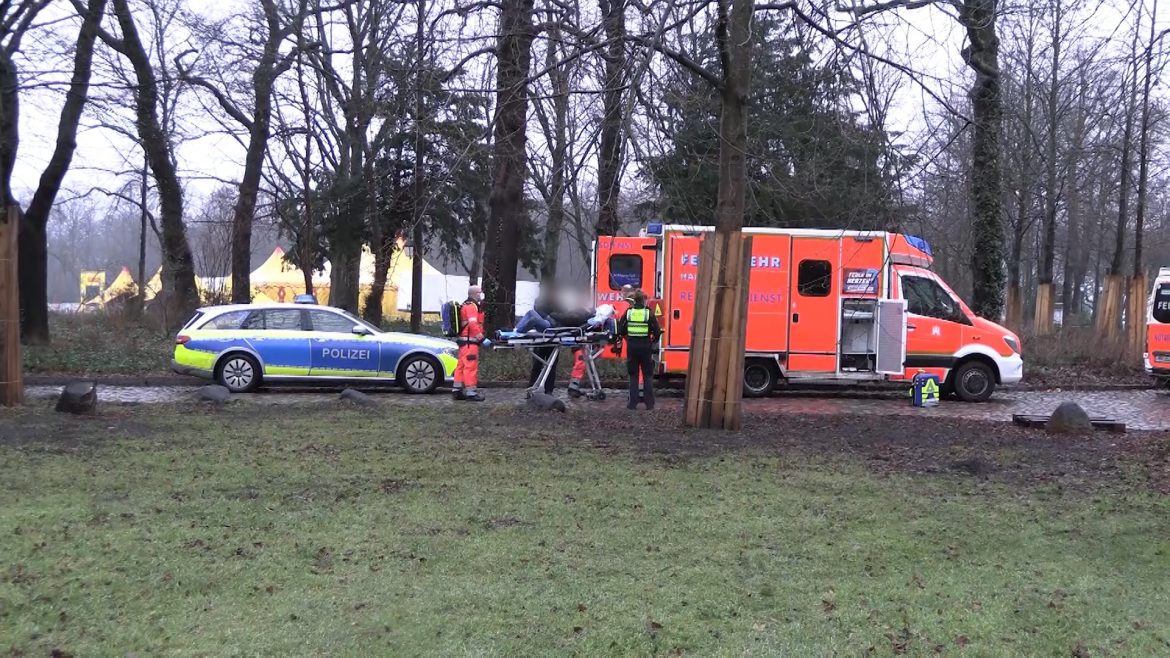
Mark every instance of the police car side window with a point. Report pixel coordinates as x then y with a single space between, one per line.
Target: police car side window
227 321
331 322
282 319
1162 303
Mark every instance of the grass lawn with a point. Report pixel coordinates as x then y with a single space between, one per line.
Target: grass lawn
488 531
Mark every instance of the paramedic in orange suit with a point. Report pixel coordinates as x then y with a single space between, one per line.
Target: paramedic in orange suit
469 339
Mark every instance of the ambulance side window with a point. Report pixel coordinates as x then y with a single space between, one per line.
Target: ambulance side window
926 298
814 278
1162 304
625 270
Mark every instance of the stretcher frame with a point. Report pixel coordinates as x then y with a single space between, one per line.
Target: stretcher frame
591 343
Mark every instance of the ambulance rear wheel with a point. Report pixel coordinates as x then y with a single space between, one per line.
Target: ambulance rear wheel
759 378
419 374
973 382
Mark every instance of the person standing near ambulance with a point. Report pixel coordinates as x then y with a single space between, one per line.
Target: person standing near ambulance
640 330
470 338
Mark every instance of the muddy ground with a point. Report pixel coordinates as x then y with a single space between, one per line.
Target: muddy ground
928 446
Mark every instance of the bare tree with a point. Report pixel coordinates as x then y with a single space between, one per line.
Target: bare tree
33 257
507 211
179 291
277 24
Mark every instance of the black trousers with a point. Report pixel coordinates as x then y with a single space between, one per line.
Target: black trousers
640 359
537 366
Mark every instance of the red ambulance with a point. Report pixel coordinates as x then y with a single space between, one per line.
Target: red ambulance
1157 353
824 306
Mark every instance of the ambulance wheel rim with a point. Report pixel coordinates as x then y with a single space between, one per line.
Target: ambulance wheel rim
238 373
975 382
757 379
420 375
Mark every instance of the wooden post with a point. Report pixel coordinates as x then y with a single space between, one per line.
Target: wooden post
1043 323
11 368
1135 318
715 376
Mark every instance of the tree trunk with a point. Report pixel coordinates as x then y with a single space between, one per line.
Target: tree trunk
982 56
714 389
33 237
178 264
1109 320
1136 315
9 125
1015 305
383 254
1045 299
476 270
610 150
416 269
140 298
506 203
559 78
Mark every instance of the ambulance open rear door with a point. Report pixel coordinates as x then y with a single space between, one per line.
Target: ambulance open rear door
891 336
623 261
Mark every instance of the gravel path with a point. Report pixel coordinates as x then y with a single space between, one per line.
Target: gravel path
1139 409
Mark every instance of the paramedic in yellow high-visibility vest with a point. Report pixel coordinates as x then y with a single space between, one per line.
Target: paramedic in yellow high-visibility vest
639 328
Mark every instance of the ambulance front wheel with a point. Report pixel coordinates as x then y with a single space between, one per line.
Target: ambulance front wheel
974 381
759 378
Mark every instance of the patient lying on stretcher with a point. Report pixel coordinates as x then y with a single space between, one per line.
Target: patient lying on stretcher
599 320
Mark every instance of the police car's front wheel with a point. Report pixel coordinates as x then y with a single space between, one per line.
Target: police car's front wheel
239 373
419 374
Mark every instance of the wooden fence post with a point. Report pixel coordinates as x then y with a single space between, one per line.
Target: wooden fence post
11 368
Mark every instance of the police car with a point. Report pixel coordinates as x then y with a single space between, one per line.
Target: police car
245 346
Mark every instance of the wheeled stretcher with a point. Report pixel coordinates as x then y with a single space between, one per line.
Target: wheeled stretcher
591 342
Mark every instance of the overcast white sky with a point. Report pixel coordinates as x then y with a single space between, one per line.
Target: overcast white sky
927 40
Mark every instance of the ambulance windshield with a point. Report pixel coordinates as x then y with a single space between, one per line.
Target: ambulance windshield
1161 308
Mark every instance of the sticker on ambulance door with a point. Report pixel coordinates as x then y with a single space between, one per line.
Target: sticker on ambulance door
860 281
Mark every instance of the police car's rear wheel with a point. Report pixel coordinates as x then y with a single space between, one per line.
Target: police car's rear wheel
974 382
419 374
239 373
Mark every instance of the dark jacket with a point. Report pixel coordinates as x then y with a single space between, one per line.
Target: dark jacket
624 329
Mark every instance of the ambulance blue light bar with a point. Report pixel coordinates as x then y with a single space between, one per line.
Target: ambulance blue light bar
304 299
919 244
654 229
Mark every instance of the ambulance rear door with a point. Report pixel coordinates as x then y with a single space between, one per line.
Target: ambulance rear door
681 270
814 322
624 261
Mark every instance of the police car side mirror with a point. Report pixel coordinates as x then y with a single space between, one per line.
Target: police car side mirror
361 330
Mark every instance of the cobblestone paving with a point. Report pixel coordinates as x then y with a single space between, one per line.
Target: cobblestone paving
1140 409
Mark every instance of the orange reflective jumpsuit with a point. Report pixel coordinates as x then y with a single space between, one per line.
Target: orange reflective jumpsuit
578 372
467 372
